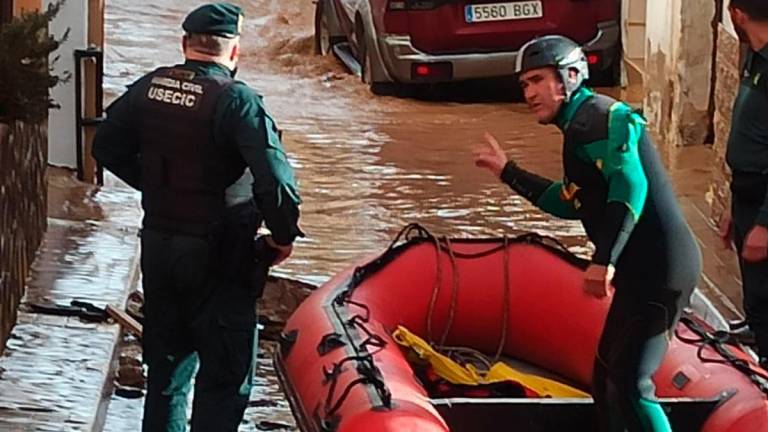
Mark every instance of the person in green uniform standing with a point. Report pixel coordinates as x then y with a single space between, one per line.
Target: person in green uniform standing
746 222
615 184
208 159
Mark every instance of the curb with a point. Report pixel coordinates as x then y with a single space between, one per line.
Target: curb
108 386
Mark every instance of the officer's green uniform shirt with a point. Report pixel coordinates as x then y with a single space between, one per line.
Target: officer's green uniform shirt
748 142
241 120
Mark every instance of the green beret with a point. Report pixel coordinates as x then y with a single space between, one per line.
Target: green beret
220 19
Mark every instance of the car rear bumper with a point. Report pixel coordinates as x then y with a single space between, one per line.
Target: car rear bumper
398 56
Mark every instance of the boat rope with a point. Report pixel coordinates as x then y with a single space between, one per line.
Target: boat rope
454 291
717 342
455 352
369 374
552 242
372 339
413 234
505 305
364 318
466 355
360 322
435 289
336 369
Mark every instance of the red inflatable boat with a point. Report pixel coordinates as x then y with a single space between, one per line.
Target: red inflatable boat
343 372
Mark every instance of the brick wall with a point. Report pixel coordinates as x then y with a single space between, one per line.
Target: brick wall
23 190
726 86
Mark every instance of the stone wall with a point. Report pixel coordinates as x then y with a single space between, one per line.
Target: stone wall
679 66
23 190
726 87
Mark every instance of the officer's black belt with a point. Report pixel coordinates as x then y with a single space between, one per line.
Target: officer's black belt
194 229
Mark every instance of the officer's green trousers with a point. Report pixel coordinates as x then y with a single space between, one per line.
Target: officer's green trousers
754 275
197 319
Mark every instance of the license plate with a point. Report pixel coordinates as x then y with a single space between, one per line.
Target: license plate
503 11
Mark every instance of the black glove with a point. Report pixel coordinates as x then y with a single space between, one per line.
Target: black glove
263 255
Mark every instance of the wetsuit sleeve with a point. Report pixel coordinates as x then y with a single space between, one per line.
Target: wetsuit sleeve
258 141
115 145
542 192
619 160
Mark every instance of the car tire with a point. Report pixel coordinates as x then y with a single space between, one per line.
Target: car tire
324 41
366 68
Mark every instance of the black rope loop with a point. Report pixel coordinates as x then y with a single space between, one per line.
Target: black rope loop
369 374
716 342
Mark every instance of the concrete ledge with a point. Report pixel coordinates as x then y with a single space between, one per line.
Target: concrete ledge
55 370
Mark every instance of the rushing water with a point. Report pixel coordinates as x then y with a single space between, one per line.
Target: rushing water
367 165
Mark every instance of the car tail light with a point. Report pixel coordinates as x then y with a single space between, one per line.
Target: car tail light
431 71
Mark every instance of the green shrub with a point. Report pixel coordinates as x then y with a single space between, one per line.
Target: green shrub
26 72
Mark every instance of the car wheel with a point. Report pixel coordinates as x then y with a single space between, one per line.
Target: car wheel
364 58
366 69
324 42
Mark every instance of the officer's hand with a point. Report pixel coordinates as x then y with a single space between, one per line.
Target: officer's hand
283 251
756 245
725 229
490 155
597 280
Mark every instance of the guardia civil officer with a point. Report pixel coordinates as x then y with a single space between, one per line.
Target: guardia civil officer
746 222
184 135
615 184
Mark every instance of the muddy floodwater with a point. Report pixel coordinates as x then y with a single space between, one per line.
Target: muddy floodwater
367 165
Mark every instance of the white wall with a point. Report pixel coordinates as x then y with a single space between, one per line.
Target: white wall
633 26
727 23
61 122
661 28
679 46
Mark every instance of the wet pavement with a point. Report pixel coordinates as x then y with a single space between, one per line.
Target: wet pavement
53 370
268 409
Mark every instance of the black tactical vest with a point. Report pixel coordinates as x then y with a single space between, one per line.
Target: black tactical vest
184 172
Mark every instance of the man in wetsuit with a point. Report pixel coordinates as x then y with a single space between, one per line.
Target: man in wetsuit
183 135
746 222
616 185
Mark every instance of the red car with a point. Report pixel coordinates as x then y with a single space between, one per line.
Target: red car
428 41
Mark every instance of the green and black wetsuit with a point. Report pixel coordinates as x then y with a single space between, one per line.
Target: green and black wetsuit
615 183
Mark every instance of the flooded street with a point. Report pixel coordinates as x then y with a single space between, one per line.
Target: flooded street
367 165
